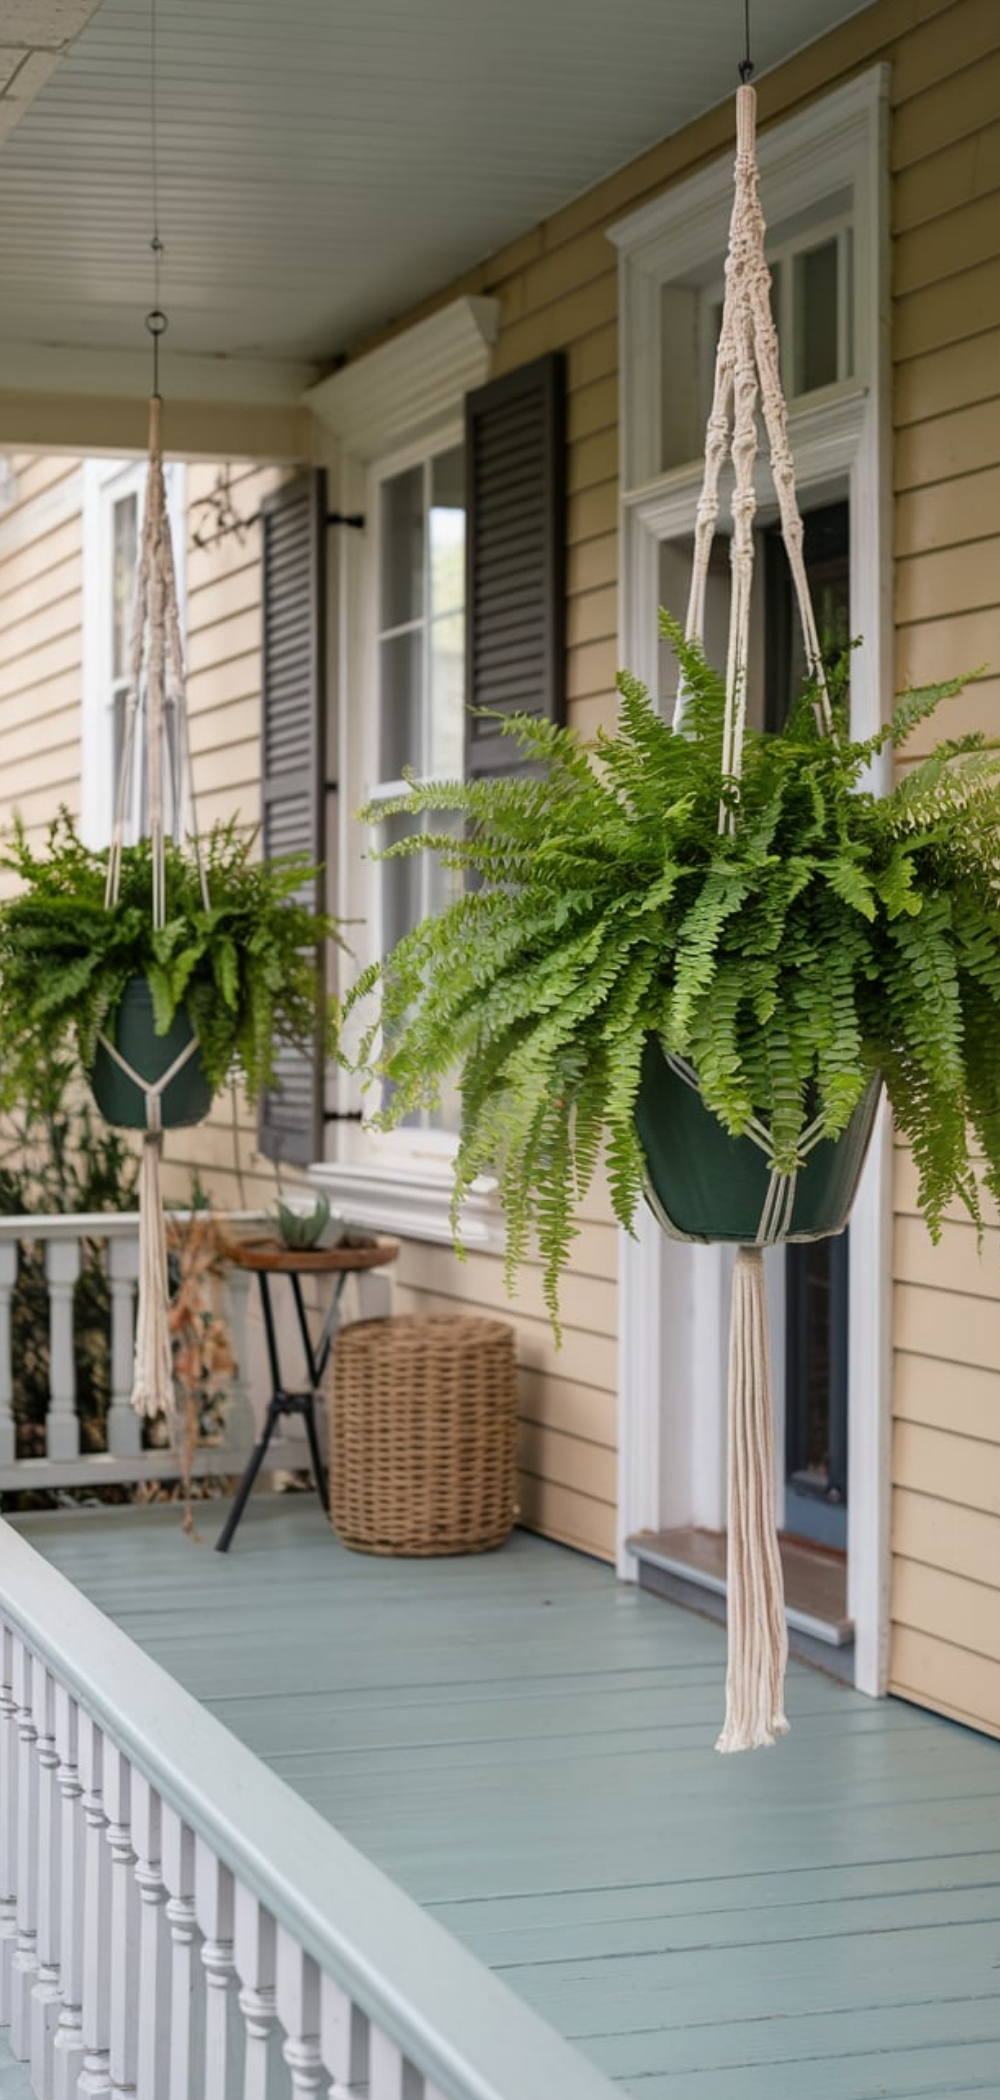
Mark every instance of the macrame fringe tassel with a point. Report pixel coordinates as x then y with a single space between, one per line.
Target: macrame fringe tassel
758 1638
153 1388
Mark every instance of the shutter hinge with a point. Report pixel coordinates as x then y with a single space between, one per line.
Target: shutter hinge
342 1115
338 517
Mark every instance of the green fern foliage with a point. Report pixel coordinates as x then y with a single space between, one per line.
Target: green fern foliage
244 968
828 935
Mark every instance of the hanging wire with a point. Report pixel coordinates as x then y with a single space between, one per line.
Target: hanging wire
156 320
746 62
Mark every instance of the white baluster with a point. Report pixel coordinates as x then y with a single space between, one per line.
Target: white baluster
241 1430
8 1278
124 1426
223 2023
62 1267
154 1944
46 1992
390 2076
8 1826
343 2030
25 1962
95 2076
255 1946
68 2045
123 2048
187 1982
298 2011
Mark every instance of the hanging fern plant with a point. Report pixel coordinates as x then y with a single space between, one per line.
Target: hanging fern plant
243 968
832 935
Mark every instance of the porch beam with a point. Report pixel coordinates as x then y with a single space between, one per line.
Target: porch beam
84 400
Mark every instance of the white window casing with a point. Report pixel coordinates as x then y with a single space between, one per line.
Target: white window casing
399 405
107 482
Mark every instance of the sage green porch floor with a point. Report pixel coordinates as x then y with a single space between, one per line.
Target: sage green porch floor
526 1746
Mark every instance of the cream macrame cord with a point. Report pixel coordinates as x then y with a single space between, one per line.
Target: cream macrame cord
747 375
157 676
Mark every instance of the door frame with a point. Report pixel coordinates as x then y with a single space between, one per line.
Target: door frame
673 1298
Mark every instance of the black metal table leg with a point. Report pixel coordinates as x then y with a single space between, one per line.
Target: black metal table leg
276 1407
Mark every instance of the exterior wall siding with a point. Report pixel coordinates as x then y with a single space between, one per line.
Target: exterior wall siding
41 589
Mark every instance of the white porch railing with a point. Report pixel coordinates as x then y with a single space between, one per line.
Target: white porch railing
64 1464
176 1924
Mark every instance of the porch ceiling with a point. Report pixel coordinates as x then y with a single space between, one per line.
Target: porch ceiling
325 164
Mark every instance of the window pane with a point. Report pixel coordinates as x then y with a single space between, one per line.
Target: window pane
400 704
402 596
125 538
447 532
447 724
401 883
815 300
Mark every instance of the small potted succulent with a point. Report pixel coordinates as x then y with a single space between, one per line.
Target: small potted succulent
622 974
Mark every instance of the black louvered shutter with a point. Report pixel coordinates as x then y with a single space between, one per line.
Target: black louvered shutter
516 556
292 762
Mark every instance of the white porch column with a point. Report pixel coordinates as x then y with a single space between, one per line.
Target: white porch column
214 1903
8 1278
124 1426
8 1826
95 2076
187 1980
153 2072
25 1962
46 1992
68 2041
62 1430
123 2030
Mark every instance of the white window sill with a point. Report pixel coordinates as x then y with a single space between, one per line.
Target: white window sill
411 1199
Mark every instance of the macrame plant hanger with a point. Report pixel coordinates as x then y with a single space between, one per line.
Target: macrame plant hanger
747 372
155 702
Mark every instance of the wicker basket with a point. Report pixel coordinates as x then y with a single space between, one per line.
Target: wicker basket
423 1431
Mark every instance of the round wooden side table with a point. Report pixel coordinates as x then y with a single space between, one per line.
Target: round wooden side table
269 1258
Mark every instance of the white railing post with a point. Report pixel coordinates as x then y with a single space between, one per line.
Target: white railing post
255 1945
214 1903
298 2011
95 2075
241 1429
388 2069
46 1992
344 2033
62 1267
25 1961
154 1944
68 2043
8 1827
187 1981
8 1277
124 1428
123 2045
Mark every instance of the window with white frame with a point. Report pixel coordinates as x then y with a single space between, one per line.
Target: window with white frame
113 495
418 601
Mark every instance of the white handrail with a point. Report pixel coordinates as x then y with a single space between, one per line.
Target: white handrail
422 1998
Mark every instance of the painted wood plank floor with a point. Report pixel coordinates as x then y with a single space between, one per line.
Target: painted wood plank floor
525 1745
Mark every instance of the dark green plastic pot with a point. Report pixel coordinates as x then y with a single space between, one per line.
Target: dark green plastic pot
188 1097
705 1185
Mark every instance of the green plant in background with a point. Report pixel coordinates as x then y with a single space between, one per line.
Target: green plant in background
244 968
831 935
57 1156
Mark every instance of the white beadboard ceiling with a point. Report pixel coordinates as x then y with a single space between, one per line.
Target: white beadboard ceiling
325 164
